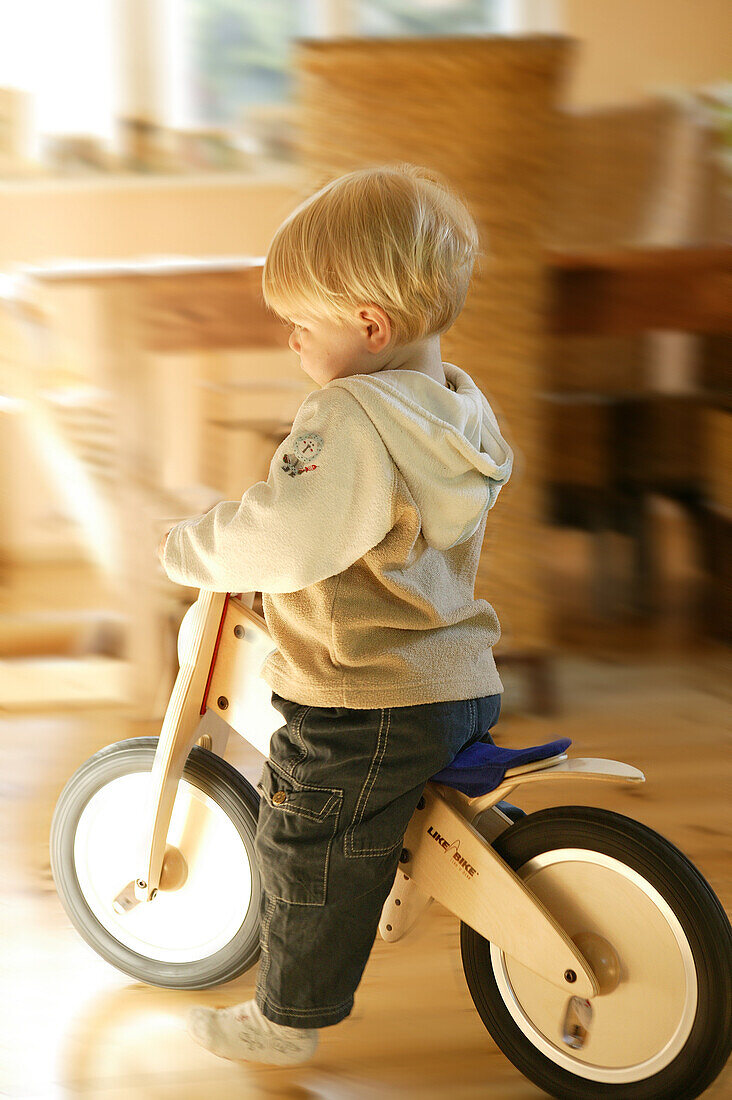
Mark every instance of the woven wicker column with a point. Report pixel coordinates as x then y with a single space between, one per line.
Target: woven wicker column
483 112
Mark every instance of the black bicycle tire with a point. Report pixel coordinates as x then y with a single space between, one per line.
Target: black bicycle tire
695 905
235 796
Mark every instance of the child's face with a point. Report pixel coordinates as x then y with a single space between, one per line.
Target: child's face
333 349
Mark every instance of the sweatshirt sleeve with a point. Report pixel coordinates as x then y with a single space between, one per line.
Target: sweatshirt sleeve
327 500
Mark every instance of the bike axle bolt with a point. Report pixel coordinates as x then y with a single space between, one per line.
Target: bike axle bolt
239 631
404 857
222 702
570 976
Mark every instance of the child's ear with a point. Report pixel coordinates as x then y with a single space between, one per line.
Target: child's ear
378 326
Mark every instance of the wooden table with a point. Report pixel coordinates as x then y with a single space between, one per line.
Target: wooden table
622 291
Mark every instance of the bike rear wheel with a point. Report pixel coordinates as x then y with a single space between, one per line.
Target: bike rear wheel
202 934
665 1030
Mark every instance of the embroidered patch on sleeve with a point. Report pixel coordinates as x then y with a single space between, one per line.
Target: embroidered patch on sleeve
306 447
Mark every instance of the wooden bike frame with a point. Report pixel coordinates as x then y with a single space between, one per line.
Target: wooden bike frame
221 645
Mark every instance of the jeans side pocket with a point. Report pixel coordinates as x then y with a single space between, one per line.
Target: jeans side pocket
296 827
287 744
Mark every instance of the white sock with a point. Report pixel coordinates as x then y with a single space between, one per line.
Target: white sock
244 1033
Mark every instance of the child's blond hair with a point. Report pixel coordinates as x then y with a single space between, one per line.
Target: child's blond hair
397 236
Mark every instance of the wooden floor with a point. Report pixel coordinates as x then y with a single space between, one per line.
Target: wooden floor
656 696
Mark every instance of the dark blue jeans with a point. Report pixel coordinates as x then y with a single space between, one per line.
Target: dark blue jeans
338 790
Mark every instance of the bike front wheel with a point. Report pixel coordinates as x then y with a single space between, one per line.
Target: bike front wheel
201 934
664 1031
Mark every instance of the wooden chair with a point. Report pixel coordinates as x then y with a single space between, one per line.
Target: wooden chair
618 186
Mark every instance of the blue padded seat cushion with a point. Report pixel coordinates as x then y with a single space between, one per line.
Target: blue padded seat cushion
481 767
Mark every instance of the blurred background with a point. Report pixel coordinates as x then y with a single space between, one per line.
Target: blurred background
148 151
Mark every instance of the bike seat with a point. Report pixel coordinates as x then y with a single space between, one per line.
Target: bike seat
482 767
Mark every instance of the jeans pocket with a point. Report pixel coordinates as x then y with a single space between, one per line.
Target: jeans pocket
288 744
296 827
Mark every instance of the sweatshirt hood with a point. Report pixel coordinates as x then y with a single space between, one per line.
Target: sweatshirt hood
446 443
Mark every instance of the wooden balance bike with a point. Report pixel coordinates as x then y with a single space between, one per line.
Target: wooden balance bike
597 955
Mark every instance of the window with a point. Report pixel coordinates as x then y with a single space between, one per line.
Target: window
427 17
63 54
199 64
239 50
